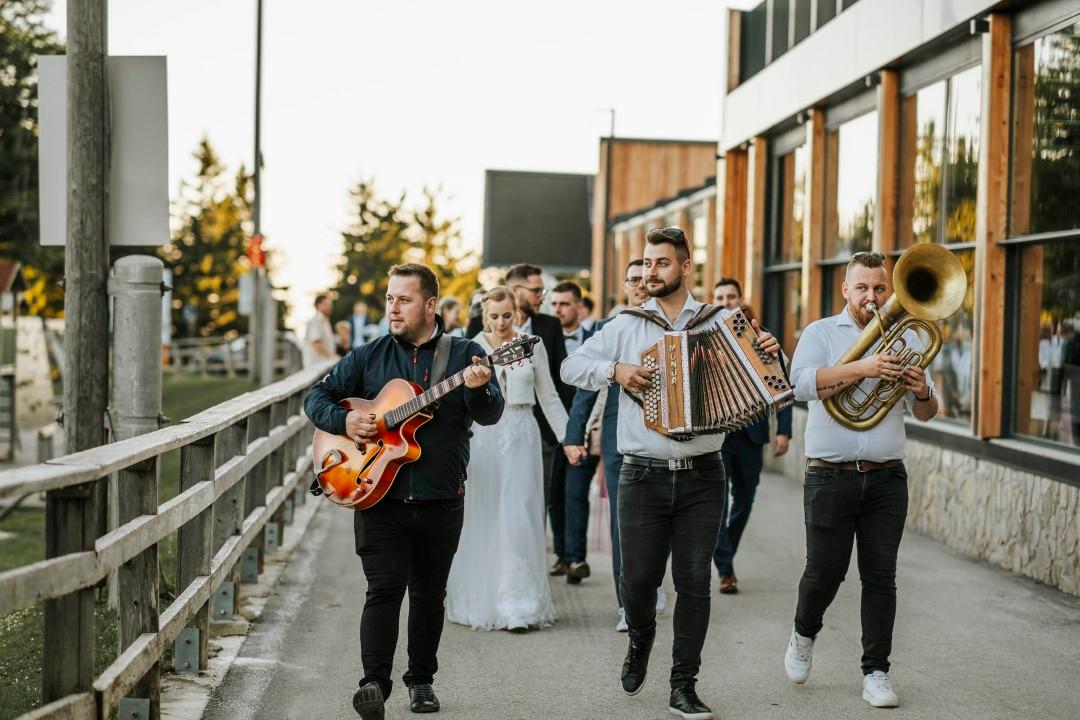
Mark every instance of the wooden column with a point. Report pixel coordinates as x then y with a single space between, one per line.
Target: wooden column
991 223
637 245
711 258
138 579
814 225
888 100
601 275
754 253
733 231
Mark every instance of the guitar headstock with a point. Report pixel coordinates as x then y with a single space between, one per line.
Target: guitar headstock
513 351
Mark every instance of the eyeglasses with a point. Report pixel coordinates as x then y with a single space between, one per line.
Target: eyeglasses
539 292
634 281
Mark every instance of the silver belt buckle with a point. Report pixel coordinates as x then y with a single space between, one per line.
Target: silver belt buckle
859 467
680 464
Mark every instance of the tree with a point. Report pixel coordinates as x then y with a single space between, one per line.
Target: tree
207 252
387 232
22 36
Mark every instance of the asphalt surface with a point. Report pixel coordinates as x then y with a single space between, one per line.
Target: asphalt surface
971 641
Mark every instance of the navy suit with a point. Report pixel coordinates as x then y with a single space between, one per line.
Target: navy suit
743 453
579 476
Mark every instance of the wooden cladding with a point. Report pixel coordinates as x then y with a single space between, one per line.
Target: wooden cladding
644 172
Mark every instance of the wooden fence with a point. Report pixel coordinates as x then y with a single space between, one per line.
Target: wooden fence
244 463
216 355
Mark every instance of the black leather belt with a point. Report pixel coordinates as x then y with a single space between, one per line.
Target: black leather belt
856 465
708 460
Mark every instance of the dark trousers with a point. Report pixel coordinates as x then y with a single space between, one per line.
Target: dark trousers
405 546
743 470
680 511
575 509
555 498
612 468
841 506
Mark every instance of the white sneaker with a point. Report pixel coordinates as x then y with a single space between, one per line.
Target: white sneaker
621 626
799 657
661 600
877 690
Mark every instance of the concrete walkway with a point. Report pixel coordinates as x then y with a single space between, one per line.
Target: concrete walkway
971 642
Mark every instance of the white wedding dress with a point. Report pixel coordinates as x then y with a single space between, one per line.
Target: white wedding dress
499 576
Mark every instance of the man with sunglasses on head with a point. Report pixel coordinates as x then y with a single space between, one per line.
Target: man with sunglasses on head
672 493
856 485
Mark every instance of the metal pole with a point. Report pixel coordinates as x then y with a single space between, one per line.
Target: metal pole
136 288
73 516
261 341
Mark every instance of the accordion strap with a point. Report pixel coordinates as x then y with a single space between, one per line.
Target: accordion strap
704 313
648 315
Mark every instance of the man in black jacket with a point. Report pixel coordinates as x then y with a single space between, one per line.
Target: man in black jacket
408 540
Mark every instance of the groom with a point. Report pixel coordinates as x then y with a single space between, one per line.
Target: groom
408 540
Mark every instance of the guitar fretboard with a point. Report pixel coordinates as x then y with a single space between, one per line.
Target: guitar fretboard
405 411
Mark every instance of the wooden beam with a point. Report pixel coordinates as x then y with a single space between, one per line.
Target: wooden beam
734 231
991 224
754 253
734 48
601 276
814 225
888 100
709 215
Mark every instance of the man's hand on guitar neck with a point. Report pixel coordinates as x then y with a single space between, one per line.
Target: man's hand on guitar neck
360 426
477 375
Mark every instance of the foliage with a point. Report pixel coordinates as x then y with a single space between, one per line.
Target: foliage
386 232
22 36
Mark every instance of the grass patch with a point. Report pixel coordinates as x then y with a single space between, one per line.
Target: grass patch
21 632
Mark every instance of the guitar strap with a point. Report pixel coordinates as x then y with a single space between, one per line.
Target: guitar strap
442 357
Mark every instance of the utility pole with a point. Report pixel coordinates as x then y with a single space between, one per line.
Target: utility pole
263 322
72 516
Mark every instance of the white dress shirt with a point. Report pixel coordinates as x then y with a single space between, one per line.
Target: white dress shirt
822 344
573 340
623 340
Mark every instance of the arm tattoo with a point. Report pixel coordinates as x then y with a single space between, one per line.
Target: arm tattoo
826 388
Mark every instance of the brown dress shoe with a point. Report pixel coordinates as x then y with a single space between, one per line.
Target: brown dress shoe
559 568
729 584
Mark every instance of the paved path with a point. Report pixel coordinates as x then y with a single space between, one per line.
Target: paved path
972 641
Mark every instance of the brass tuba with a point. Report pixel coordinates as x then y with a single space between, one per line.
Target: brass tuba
929 284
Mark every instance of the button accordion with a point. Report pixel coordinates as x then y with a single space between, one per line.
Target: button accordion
712 380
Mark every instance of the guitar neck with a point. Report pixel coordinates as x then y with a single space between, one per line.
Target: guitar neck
430 396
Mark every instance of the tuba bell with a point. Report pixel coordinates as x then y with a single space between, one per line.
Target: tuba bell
929 284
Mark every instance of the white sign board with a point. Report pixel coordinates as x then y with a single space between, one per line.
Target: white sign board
139 159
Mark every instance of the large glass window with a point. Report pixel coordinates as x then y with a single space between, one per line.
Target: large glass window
783 272
1046 135
851 186
1048 342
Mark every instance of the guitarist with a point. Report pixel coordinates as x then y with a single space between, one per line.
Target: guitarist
408 540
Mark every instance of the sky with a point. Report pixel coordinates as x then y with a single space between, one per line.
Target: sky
413 93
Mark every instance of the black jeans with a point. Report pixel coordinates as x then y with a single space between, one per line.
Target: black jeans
405 546
660 510
869 508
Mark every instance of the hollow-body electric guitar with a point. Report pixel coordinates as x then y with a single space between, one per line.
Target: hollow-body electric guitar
358 475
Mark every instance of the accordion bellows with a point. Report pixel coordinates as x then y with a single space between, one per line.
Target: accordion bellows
712 380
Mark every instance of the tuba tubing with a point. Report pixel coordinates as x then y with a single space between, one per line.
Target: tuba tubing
930 284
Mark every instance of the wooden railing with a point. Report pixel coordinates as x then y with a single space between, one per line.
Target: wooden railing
243 465
216 355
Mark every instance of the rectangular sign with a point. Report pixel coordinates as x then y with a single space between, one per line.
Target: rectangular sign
139 157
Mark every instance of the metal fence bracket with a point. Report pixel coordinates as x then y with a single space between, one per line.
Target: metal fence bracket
224 601
187 652
134 709
249 566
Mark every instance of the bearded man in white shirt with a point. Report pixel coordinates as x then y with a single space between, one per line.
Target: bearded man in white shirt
856 484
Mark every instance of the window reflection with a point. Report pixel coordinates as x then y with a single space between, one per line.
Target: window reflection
795 166
962 156
792 324
851 176
952 368
920 196
1048 352
1046 134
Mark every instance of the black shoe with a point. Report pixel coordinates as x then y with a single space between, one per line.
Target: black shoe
559 568
369 702
636 665
577 571
686 704
422 699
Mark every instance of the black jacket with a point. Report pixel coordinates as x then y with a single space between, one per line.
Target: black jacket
439 473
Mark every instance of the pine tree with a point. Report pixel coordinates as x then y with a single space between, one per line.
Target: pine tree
207 251
440 248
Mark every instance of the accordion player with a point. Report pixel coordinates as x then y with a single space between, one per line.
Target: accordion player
712 380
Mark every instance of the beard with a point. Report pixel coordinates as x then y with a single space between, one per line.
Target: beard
664 290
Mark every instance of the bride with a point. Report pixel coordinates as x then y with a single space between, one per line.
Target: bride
499 576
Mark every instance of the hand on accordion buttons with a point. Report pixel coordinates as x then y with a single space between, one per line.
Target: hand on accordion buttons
766 340
634 378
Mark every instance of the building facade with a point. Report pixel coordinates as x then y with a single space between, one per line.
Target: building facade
878 124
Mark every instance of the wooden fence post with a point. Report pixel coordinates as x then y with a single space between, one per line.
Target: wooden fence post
257 480
231 506
138 578
195 539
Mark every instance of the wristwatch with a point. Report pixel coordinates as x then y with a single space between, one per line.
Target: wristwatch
610 374
929 394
